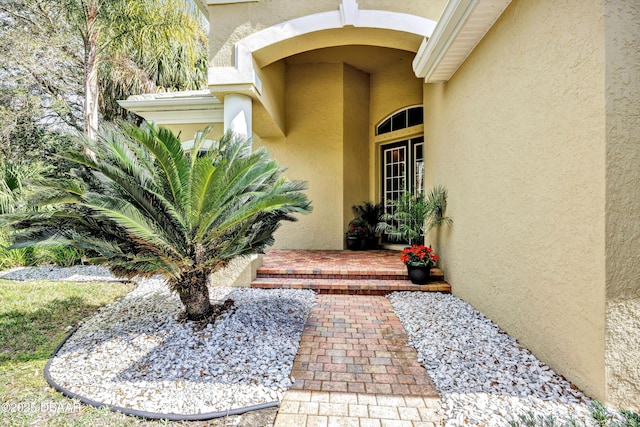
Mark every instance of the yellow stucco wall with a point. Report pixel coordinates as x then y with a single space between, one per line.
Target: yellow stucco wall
356 140
235 21
622 80
517 137
188 131
313 151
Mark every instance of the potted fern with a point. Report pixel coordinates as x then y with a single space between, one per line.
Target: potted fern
414 216
367 216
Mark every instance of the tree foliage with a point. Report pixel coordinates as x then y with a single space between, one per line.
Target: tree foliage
81 56
40 57
25 135
142 206
14 183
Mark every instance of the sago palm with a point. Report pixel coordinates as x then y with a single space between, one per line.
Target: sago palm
14 177
142 206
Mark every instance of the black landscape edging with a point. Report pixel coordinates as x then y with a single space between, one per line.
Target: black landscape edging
146 414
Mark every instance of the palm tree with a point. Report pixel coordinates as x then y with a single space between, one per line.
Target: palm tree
134 38
151 46
84 55
14 188
142 206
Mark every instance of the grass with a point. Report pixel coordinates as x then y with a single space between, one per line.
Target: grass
34 318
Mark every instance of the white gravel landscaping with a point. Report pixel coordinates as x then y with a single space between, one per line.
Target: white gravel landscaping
78 273
482 374
137 354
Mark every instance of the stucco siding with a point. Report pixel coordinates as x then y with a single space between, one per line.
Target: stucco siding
517 137
622 27
356 140
188 131
313 151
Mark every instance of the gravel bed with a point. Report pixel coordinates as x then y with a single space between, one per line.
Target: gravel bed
136 353
483 375
78 273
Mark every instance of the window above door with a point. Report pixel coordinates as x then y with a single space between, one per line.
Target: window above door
403 119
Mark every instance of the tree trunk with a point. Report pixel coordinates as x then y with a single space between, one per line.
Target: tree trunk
194 295
91 73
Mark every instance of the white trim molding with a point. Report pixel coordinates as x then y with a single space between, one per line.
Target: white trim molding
462 25
176 107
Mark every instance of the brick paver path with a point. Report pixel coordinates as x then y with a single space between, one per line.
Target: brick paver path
355 368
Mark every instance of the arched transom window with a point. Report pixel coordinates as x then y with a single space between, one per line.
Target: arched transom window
411 116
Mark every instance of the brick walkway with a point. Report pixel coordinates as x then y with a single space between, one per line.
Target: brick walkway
355 368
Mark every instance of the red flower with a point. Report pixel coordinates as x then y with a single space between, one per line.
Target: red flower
419 255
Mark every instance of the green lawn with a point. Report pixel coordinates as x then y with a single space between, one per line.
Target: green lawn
34 319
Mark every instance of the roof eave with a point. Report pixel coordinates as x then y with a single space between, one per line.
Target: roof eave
463 24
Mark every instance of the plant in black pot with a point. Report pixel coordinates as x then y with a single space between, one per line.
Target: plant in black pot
367 216
419 260
414 216
355 238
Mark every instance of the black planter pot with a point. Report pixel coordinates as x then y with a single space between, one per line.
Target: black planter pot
355 243
419 275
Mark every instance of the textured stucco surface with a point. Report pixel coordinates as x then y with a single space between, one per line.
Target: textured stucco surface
356 140
235 21
239 273
313 151
517 136
622 41
622 360
332 108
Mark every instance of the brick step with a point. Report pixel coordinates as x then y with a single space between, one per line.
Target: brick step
263 273
358 287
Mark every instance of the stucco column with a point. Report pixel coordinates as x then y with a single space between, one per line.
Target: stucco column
237 114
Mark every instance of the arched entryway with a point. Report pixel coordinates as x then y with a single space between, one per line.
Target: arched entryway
320 84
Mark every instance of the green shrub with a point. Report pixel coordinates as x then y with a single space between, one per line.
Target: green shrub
632 418
64 256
